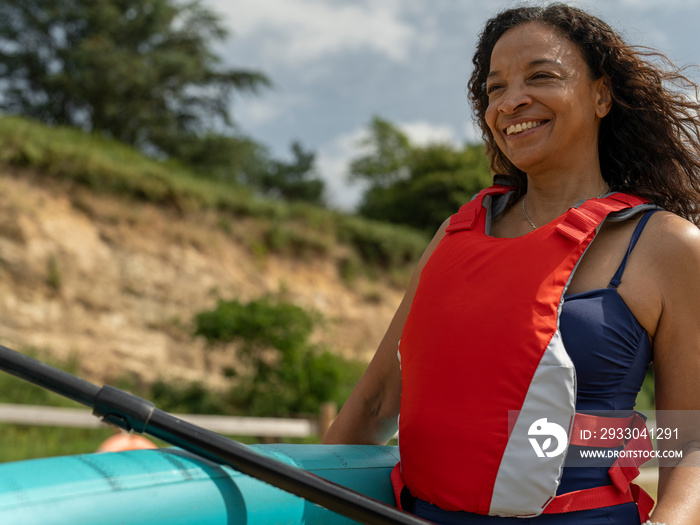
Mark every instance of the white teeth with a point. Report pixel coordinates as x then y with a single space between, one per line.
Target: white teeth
517 128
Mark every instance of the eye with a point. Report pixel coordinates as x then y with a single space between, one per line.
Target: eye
541 75
491 88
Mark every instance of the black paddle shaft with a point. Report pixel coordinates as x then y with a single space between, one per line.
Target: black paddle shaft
133 413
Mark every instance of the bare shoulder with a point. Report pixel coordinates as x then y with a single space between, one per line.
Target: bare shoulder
672 244
667 223
669 254
663 270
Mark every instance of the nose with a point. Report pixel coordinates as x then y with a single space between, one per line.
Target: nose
514 98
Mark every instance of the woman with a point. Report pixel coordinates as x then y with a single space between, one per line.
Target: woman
569 113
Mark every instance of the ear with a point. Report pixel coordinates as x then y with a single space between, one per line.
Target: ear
603 96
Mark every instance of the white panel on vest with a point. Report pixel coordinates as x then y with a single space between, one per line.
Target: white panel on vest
532 463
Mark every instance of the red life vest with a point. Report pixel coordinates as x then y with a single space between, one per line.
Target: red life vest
484 370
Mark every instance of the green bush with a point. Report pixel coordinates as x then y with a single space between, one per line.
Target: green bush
382 244
281 372
258 324
189 398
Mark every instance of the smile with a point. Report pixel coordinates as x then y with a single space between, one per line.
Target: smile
524 126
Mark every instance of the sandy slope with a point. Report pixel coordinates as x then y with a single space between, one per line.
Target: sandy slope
117 284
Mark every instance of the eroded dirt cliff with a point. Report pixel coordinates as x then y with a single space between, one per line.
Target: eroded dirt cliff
117 283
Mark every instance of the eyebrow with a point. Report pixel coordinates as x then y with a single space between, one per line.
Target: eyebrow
536 62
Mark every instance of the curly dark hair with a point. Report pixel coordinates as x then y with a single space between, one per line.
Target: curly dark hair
650 140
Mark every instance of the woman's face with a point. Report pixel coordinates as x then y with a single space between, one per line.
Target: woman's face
544 110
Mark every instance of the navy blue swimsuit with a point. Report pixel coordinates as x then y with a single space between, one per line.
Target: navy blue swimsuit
611 352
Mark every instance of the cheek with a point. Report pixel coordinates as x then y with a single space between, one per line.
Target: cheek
490 116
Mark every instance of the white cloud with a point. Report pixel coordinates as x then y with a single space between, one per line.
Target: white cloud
333 158
271 105
471 132
257 112
304 30
332 162
422 132
655 4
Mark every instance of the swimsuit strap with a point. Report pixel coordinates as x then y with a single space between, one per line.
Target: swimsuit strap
615 281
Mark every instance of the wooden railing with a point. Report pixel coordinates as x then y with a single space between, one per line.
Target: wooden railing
264 427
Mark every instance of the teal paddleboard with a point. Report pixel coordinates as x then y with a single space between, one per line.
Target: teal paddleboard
171 486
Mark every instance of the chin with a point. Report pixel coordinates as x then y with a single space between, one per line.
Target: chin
526 165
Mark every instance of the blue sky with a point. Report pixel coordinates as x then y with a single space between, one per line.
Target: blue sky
336 63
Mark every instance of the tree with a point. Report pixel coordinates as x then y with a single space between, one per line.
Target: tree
293 181
226 158
141 71
387 161
419 186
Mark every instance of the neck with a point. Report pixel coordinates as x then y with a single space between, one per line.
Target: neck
547 200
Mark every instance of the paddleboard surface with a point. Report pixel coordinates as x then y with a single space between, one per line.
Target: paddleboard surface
171 486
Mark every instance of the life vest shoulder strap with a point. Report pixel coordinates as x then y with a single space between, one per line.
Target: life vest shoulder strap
467 215
576 225
578 222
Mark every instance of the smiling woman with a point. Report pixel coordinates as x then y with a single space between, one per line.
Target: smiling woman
544 109
652 124
534 313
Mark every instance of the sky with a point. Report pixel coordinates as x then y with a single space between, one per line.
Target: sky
335 64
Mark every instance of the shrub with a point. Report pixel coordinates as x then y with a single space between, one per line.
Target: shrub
281 372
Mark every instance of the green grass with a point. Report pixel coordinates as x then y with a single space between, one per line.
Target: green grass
73 157
18 391
21 442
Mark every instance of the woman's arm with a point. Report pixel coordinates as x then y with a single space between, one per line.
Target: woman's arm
677 369
369 416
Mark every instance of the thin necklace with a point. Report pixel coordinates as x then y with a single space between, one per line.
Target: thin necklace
606 189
